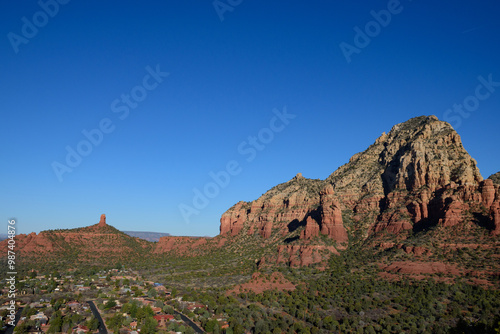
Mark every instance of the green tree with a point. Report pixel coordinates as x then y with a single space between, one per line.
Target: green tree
210 325
150 325
115 322
21 328
109 304
152 293
55 323
93 324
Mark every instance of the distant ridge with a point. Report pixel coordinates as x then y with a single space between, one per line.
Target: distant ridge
149 236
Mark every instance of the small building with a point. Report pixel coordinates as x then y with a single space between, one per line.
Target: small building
223 324
80 329
40 317
193 307
163 319
73 305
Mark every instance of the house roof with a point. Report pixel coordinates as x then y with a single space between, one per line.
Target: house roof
164 317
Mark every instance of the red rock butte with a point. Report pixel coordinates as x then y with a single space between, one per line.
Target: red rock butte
102 222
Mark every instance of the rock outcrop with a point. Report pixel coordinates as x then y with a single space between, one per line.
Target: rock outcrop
495 217
102 221
304 255
416 176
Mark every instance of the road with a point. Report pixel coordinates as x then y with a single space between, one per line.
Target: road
189 322
10 329
97 315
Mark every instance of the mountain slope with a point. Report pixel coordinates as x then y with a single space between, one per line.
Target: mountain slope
149 236
415 178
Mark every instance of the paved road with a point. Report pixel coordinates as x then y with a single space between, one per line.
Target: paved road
10 329
189 322
97 315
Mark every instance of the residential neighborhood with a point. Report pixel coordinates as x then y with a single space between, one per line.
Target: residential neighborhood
125 302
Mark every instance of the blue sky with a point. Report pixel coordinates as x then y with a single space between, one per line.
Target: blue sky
235 68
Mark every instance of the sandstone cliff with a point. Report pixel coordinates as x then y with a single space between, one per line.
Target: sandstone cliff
416 176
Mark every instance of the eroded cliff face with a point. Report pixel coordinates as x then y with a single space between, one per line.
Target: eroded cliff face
416 176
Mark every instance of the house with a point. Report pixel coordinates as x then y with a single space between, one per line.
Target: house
45 328
144 301
73 305
193 307
41 317
163 319
133 325
223 325
80 329
156 310
36 305
160 289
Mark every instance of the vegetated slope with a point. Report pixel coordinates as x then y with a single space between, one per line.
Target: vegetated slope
495 178
148 236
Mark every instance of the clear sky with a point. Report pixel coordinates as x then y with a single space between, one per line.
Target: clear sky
155 98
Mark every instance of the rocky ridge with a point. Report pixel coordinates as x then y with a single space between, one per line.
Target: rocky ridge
413 178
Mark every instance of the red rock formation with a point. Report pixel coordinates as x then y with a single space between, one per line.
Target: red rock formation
416 250
487 192
495 217
331 216
304 255
394 221
311 230
232 220
102 222
417 175
453 212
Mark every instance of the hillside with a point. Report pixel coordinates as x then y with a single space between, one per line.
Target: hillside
96 245
148 236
